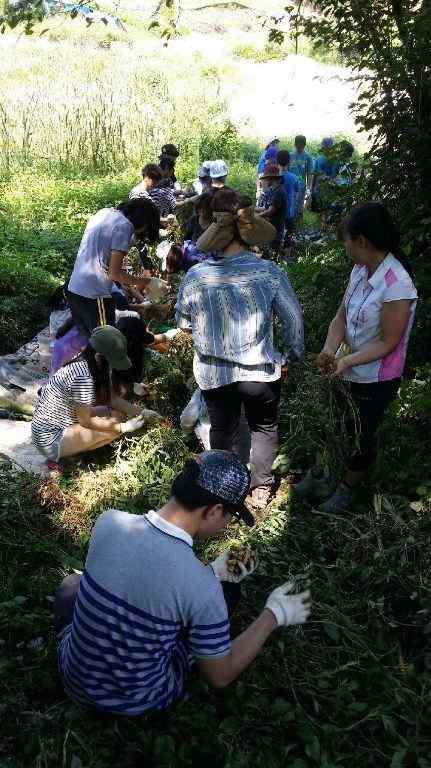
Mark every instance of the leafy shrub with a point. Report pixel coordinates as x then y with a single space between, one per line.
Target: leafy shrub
25 290
220 141
319 278
269 52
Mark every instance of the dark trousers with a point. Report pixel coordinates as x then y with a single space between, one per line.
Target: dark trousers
371 400
260 401
137 336
88 314
65 597
289 232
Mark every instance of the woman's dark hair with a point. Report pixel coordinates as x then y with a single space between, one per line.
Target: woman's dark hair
174 259
189 494
170 150
283 157
373 221
152 171
272 143
98 372
166 163
203 203
228 201
57 300
346 149
143 214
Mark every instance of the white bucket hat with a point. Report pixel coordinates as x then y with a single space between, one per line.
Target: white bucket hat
218 169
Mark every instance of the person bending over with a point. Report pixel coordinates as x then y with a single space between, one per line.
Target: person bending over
77 411
169 180
107 239
201 217
163 198
146 610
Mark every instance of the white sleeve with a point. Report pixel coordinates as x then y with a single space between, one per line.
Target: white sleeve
401 288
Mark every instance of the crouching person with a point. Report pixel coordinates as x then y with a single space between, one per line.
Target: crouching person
145 609
77 411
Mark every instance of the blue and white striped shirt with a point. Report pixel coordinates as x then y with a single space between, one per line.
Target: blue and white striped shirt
229 304
146 607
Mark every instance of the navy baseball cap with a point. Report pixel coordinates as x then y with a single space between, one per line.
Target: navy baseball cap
224 475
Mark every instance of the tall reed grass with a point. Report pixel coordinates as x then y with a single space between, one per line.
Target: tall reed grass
98 108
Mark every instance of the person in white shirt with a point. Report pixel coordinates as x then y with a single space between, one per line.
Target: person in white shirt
374 321
107 239
218 173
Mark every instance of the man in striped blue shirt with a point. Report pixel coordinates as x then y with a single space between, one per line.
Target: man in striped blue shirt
145 608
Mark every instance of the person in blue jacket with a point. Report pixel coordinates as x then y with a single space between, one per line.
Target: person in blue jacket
290 184
326 167
269 155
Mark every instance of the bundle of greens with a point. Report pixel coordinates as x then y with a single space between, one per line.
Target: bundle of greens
318 418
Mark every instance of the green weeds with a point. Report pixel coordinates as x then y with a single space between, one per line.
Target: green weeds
352 687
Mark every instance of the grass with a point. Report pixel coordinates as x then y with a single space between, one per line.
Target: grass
351 687
265 52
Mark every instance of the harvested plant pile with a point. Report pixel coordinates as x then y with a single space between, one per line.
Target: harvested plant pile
167 375
317 418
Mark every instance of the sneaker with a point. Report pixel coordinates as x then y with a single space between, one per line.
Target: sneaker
339 501
316 487
260 496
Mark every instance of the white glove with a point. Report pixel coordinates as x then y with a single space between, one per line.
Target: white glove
172 333
222 572
289 609
156 288
144 419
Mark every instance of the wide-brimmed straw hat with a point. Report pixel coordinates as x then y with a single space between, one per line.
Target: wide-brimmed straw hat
226 227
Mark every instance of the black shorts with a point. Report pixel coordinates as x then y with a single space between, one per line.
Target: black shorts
372 400
88 314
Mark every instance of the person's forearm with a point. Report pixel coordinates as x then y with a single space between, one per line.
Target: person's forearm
247 645
181 203
374 351
102 423
124 406
268 212
136 294
123 277
336 335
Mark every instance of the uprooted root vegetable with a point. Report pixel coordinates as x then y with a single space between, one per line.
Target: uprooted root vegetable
326 364
240 554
